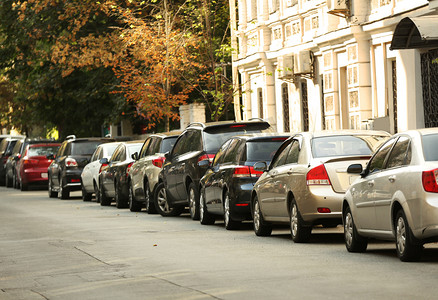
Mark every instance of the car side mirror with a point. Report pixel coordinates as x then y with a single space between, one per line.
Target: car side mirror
355 169
261 166
134 156
104 161
50 156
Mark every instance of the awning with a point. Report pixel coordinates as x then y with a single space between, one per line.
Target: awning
413 33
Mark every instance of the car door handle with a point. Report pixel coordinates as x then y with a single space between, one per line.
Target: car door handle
391 178
371 183
290 172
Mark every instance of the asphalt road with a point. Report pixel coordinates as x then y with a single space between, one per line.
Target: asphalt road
70 249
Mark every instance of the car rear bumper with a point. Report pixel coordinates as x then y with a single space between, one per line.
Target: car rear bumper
73 179
38 175
240 201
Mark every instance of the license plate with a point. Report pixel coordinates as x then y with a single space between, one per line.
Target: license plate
44 175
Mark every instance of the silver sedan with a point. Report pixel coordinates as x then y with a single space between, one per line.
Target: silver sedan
307 178
396 197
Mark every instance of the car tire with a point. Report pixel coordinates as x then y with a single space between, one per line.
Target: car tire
193 194
134 206
149 200
353 241
96 193
52 194
205 218
63 193
104 199
408 247
229 223
120 201
261 228
162 205
300 233
85 196
15 182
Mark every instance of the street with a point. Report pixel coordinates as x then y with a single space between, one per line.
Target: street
70 249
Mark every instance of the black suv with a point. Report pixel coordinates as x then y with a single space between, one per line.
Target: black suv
189 159
65 170
6 146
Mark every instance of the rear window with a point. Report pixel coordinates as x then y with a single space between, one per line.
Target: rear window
42 150
84 147
345 145
167 144
217 135
262 150
430 144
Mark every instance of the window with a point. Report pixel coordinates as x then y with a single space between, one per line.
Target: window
178 149
116 154
167 144
285 98
219 157
280 159
95 154
42 150
194 141
378 160
292 157
154 146
430 144
144 149
83 148
234 152
398 156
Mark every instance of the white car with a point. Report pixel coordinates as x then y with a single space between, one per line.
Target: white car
90 174
396 197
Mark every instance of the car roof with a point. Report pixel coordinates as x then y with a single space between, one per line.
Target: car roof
225 123
345 132
263 135
90 139
166 134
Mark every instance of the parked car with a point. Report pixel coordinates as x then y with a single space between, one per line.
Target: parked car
90 173
396 196
31 165
143 175
227 185
11 163
179 180
6 146
65 170
305 183
113 179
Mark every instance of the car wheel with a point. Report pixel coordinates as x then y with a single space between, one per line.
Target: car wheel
300 233
408 248
52 194
104 199
162 205
204 216
15 181
150 206
230 224
353 241
261 228
120 201
96 193
193 201
63 193
134 206
85 196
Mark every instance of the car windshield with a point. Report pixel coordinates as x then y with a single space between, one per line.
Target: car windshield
262 150
430 144
167 144
344 145
42 150
84 147
215 137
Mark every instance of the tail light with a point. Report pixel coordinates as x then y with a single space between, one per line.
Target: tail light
246 171
318 176
102 166
128 168
158 162
28 162
429 179
71 162
210 157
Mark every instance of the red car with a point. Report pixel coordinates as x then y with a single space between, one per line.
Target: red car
32 165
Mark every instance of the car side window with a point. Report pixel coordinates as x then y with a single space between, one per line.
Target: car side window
144 148
377 163
96 154
292 157
220 154
194 142
280 159
116 154
178 149
61 150
122 154
399 154
155 146
234 151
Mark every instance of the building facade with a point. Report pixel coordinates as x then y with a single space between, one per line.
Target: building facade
327 64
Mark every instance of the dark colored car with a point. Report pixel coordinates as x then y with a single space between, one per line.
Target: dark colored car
6 147
31 165
227 185
179 180
64 173
143 175
113 179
